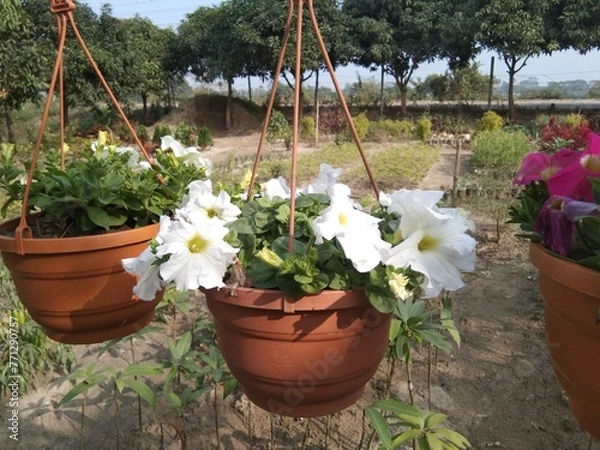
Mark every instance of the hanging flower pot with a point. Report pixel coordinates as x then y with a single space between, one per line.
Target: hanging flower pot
82 213
314 277
76 288
302 358
571 295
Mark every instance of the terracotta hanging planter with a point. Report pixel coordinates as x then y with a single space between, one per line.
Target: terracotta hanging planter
571 295
76 288
301 358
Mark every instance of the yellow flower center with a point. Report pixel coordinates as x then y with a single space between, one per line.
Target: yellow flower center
343 219
197 244
592 162
427 243
212 212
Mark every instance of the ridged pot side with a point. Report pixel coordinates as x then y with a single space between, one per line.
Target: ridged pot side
571 295
76 288
314 359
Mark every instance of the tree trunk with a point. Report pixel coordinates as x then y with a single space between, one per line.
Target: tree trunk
512 113
381 93
403 95
249 89
229 107
9 124
144 106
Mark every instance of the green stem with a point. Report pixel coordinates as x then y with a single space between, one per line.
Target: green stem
116 401
409 383
216 416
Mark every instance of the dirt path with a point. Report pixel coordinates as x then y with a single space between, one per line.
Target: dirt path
498 388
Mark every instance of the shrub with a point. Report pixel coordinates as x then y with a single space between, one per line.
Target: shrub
279 129
500 149
160 131
574 120
558 134
423 129
142 133
332 121
361 123
184 133
386 129
307 128
490 121
204 139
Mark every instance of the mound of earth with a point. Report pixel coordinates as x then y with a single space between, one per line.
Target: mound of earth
209 110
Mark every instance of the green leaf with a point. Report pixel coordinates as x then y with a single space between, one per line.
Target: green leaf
98 216
380 425
396 407
141 370
142 390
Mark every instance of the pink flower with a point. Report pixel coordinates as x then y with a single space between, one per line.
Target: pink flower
557 231
540 166
572 181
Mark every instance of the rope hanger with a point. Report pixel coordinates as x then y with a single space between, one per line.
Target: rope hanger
298 4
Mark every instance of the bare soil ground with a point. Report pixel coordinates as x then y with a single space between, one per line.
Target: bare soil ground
497 388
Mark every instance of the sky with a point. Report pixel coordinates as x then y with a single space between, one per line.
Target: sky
561 66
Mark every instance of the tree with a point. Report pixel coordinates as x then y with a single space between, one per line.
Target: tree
21 62
148 46
399 35
212 50
517 30
260 26
576 23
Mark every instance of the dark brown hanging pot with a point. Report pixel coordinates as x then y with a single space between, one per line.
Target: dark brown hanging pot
571 294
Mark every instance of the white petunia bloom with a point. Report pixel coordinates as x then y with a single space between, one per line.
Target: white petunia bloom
400 201
325 180
145 267
208 206
198 255
275 187
356 231
435 245
189 155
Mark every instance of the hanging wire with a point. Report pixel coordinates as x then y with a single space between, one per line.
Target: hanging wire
296 113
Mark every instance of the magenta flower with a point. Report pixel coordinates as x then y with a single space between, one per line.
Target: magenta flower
540 166
557 231
572 181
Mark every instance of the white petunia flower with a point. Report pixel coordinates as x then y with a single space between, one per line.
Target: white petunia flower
275 187
400 201
326 179
435 245
204 205
145 267
189 155
356 231
198 255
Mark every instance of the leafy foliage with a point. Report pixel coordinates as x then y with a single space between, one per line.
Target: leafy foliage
500 149
100 191
422 428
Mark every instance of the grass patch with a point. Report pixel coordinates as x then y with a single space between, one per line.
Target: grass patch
402 166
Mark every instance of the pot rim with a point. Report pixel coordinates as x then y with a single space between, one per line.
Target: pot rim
74 244
565 271
275 300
